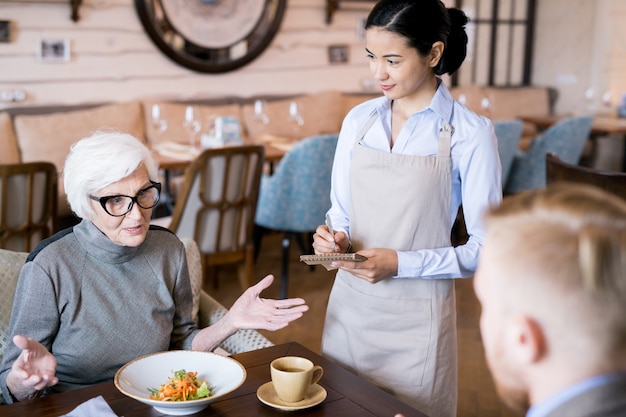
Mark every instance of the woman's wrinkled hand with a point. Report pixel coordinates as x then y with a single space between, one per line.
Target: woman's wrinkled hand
250 311
33 370
380 264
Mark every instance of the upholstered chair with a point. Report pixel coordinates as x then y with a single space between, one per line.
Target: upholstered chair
295 199
508 133
566 138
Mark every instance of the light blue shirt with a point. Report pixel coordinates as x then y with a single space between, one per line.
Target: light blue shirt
546 407
476 174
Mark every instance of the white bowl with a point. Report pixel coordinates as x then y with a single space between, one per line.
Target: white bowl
150 371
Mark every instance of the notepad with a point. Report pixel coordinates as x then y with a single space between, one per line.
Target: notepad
326 259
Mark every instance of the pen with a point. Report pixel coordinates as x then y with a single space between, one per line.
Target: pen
329 224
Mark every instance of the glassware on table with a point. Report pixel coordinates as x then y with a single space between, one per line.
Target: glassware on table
260 111
158 121
295 116
590 101
607 104
192 125
485 106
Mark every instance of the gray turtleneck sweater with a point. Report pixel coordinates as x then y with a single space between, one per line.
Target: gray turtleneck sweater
97 305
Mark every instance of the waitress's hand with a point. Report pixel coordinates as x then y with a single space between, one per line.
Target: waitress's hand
381 264
323 241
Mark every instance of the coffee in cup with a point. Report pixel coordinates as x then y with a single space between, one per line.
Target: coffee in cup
292 376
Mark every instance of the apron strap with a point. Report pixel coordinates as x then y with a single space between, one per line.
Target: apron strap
445 135
367 126
445 138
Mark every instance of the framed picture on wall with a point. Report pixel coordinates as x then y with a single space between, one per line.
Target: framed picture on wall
53 50
5 31
338 54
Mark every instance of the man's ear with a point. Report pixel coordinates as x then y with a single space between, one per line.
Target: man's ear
528 339
435 54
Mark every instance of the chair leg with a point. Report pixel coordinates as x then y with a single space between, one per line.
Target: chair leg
246 269
208 273
306 245
286 243
301 243
257 237
211 274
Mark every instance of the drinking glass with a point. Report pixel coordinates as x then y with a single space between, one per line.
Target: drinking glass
590 101
606 102
260 111
485 106
192 126
294 115
159 123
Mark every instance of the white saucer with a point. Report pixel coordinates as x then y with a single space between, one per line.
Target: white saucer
267 395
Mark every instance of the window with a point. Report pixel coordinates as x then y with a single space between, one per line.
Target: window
500 46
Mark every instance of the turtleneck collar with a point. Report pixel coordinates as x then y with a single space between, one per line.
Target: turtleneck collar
98 245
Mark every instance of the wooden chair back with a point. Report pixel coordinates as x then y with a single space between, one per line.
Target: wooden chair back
217 206
557 170
28 204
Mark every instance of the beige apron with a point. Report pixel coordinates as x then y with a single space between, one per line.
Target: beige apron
398 333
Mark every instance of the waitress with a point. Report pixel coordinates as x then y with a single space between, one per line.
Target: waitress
403 166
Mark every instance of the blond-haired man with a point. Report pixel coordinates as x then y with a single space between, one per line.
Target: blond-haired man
552 284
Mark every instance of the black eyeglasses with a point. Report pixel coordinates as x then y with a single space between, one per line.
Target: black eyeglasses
119 205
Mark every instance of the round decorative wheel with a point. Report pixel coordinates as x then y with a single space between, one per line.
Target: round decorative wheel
211 35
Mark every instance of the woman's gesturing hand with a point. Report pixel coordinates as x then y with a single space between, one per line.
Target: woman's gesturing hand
33 371
250 311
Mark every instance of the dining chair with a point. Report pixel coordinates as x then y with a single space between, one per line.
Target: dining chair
295 199
217 205
11 263
28 204
611 181
509 133
566 138
207 310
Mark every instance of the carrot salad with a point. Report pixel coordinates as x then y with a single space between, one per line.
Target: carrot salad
183 386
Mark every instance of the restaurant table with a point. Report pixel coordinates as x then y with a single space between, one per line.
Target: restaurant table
603 125
348 394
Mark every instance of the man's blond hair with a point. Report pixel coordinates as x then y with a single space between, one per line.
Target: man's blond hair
565 253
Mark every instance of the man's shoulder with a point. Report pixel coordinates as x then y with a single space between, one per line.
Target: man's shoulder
605 400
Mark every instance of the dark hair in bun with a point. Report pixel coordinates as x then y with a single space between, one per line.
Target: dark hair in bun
422 23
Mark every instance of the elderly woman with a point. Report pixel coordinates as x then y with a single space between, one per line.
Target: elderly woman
112 288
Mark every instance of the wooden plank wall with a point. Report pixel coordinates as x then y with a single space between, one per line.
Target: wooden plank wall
578 43
581 44
112 59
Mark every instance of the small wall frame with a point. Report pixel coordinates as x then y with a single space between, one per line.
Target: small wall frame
5 31
338 54
53 50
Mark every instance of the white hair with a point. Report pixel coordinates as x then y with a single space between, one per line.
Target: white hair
99 160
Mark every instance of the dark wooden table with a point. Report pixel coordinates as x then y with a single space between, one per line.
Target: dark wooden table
348 394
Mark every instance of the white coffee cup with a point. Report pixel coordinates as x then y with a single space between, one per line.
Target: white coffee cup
292 376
